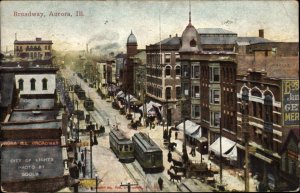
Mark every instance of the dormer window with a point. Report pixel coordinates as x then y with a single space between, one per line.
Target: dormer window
193 43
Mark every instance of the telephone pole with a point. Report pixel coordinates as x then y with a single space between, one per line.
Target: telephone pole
245 121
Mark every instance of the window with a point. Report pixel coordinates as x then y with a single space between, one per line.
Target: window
21 85
178 92
196 91
193 43
167 58
195 71
32 84
214 74
185 71
195 111
44 83
215 96
186 89
177 70
168 93
168 70
215 119
268 108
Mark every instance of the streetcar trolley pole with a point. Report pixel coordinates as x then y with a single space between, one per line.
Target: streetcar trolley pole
128 185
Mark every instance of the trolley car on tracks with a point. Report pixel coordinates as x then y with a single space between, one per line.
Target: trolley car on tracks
147 153
121 146
88 104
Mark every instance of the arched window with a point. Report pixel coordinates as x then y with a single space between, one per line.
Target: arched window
21 85
168 93
178 73
32 84
168 70
44 83
193 43
268 107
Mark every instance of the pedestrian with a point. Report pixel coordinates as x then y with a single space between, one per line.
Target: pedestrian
160 183
82 155
176 135
169 156
79 166
83 170
194 151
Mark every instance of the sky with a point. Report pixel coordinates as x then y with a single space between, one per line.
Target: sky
107 24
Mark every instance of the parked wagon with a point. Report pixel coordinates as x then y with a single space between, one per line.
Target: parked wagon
121 146
147 153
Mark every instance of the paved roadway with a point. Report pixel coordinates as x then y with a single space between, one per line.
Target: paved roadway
111 172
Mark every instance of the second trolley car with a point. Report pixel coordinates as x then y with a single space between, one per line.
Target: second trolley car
121 146
147 153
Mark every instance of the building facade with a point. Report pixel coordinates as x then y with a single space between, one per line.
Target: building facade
38 49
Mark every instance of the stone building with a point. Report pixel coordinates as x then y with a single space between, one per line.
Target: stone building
38 49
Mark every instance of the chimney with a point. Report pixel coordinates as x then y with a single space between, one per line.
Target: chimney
176 35
87 48
261 33
170 36
38 39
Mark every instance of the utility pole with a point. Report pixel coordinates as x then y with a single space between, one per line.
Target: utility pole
245 99
221 166
91 152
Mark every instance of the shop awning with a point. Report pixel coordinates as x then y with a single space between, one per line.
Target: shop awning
150 108
120 94
191 129
229 149
130 98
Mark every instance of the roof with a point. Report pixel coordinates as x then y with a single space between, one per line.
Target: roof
145 142
39 41
131 38
36 103
6 88
295 132
170 41
252 40
218 40
31 163
29 116
29 125
214 31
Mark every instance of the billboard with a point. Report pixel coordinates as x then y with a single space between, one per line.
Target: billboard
290 102
23 163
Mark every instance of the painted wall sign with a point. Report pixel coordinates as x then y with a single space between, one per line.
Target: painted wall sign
31 143
290 102
23 163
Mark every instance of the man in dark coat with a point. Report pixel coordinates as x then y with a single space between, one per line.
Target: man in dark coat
160 183
169 156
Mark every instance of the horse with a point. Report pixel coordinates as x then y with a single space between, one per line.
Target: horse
178 169
177 163
174 176
172 146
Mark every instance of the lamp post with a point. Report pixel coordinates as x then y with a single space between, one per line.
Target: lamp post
245 99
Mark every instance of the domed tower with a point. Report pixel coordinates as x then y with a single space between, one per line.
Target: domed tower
131 45
190 41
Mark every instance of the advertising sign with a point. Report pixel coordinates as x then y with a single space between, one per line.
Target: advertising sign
290 102
22 163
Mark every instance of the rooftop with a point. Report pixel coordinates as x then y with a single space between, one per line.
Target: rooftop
29 125
36 41
36 103
214 31
29 116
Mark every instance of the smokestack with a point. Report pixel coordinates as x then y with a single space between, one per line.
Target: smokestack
87 48
261 33
15 36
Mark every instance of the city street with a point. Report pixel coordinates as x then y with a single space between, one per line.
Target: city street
112 172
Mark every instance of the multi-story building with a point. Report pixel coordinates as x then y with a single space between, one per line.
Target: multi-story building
38 49
139 73
163 76
120 60
128 71
273 110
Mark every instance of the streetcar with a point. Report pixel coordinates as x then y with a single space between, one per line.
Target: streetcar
121 146
88 104
147 153
81 94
